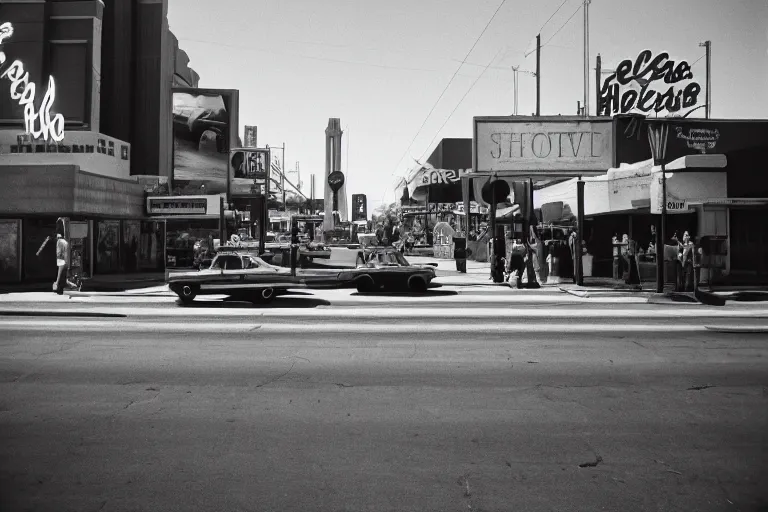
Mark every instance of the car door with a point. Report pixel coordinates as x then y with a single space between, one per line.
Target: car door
257 273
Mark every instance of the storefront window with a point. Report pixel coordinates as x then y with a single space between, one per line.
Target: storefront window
152 240
130 246
184 239
108 247
10 247
40 265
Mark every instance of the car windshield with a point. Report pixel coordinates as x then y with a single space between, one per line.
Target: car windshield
391 258
255 262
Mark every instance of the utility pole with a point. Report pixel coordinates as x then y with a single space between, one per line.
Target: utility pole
514 84
708 93
598 83
586 57
538 76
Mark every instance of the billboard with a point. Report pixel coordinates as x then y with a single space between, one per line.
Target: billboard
205 125
249 171
537 146
359 207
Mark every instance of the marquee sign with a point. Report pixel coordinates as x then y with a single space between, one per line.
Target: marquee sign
38 124
531 146
649 84
183 205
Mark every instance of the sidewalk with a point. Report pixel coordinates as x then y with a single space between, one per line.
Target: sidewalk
99 283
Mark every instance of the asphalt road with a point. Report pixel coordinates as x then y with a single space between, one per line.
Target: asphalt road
334 408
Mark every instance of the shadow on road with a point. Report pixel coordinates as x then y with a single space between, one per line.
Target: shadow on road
427 294
276 303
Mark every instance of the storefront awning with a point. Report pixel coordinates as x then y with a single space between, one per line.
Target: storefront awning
695 177
636 187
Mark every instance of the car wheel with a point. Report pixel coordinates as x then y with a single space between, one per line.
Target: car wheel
417 284
263 296
365 284
187 293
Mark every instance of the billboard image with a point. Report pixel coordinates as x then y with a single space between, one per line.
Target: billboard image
204 130
249 170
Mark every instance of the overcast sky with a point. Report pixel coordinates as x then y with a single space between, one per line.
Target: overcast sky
381 66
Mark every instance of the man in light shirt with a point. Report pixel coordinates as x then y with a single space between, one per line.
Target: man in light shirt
62 262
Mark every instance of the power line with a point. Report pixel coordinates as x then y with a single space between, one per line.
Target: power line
553 15
449 84
697 60
459 103
561 26
326 59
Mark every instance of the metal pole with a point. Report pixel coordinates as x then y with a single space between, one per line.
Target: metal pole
586 57
663 225
709 80
282 177
579 232
538 75
598 71
222 221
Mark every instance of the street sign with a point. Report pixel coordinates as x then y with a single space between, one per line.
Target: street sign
336 180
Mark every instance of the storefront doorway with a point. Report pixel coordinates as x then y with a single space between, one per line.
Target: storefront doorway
749 245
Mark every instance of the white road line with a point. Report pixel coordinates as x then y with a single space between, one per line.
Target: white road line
446 313
52 325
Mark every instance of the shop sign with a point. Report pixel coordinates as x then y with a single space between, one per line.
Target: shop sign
649 83
38 124
535 146
442 176
700 139
177 206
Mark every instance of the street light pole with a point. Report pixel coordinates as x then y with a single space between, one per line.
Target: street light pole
586 57
657 139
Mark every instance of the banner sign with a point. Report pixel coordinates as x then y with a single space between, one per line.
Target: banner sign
183 205
534 146
430 176
649 84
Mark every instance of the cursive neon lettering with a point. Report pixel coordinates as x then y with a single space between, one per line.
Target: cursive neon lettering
38 124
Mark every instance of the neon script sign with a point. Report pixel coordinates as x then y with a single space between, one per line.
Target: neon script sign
632 86
37 123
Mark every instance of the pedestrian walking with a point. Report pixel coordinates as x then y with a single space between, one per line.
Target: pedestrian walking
62 263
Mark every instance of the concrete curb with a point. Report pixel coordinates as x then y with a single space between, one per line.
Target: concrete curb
62 313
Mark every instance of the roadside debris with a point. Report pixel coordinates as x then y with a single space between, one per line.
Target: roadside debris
598 460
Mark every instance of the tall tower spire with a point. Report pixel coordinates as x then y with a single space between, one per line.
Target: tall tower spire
333 135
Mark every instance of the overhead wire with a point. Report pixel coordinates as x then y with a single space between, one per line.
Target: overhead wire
553 15
562 26
448 85
488 66
459 103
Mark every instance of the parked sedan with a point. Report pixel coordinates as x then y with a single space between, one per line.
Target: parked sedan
245 276
386 268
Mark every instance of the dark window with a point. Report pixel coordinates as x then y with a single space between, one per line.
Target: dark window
69 67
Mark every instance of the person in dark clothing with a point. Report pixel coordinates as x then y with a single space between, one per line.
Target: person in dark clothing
516 262
294 247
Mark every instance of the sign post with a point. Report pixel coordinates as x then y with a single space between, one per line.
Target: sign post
335 181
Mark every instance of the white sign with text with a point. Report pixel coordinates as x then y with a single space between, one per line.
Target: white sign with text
535 146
